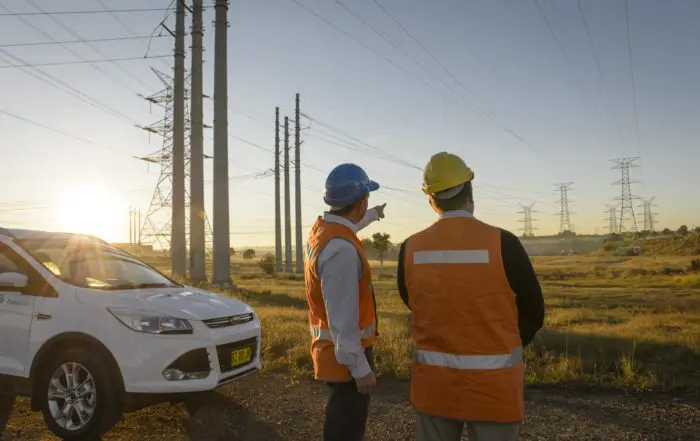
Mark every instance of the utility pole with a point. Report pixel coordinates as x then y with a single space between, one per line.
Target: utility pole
287 204
138 228
564 214
222 258
278 214
197 247
131 226
178 245
626 198
297 189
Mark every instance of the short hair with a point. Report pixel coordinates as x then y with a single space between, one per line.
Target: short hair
456 202
344 211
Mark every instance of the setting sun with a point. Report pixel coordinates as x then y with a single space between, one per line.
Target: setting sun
89 210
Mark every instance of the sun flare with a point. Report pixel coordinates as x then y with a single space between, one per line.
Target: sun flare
89 210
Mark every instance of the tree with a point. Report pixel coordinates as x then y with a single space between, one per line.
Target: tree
380 242
667 231
231 251
267 264
697 230
249 254
683 230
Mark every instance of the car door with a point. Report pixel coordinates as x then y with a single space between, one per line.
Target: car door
16 312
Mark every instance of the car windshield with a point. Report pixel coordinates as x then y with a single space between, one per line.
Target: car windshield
89 263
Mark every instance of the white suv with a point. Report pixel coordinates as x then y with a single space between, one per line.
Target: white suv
88 331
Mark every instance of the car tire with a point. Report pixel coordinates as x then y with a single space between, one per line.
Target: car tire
84 410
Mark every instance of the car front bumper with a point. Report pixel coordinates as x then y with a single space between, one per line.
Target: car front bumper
142 364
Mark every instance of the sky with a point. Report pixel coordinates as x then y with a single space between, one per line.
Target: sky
516 88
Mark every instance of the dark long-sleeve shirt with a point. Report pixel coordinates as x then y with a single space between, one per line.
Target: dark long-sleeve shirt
521 277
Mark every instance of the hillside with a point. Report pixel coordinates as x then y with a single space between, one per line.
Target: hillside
673 246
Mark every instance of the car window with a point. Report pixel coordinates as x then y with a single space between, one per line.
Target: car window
91 264
10 261
7 265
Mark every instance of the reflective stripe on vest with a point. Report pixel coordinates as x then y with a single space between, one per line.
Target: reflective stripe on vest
450 256
468 362
318 333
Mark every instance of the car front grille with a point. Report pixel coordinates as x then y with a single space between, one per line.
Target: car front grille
224 353
234 320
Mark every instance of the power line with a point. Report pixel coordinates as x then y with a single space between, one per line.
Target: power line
634 87
533 147
131 31
65 63
600 70
90 45
87 141
560 46
93 40
68 89
69 49
111 11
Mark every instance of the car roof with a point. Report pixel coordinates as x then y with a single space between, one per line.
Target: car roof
23 234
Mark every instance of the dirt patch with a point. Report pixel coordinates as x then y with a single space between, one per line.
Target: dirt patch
272 408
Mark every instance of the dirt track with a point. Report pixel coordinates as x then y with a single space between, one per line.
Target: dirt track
271 408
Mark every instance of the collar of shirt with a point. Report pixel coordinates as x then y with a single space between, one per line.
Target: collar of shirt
328 217
456 213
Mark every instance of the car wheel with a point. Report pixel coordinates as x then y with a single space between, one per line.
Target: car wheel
78 396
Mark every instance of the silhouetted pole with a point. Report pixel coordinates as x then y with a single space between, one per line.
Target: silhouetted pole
278 214
287 202
197 248
131 226
222 258
178 245
297 189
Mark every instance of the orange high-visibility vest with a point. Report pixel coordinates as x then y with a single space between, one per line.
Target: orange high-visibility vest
326 367
467 362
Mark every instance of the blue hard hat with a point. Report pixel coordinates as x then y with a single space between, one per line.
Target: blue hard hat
346 184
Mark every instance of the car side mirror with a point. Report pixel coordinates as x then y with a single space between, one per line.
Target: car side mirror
13 280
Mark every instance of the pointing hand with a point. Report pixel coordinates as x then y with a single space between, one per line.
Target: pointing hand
380 210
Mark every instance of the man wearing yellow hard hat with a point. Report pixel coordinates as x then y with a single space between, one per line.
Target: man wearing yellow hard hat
475 303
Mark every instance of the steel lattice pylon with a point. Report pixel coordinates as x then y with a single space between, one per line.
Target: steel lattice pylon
565 214
155 229
626 198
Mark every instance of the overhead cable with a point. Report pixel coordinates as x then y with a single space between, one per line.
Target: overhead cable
65 63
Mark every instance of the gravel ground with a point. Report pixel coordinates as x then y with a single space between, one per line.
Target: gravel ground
272 408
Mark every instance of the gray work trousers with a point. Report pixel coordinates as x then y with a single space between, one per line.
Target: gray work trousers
433 428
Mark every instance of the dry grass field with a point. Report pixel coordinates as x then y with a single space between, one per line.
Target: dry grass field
619 358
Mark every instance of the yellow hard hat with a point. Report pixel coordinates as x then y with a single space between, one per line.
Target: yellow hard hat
444 171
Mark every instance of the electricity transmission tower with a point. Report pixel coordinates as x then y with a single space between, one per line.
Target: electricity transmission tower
612 218
564 213
156 227
626 198
649 216
527 229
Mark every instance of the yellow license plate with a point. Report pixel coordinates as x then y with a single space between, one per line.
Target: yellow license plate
241 356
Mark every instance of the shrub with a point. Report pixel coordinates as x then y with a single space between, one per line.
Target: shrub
695 266
267 264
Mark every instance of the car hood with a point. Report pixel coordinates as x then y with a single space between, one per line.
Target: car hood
183 302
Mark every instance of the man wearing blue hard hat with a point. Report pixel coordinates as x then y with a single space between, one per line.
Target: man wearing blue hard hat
342 309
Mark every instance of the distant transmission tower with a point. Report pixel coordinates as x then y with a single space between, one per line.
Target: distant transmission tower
649 216
565 214
155 229
626 198
527 229
612 218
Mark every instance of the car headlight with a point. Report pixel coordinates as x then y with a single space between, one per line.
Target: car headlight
151 322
